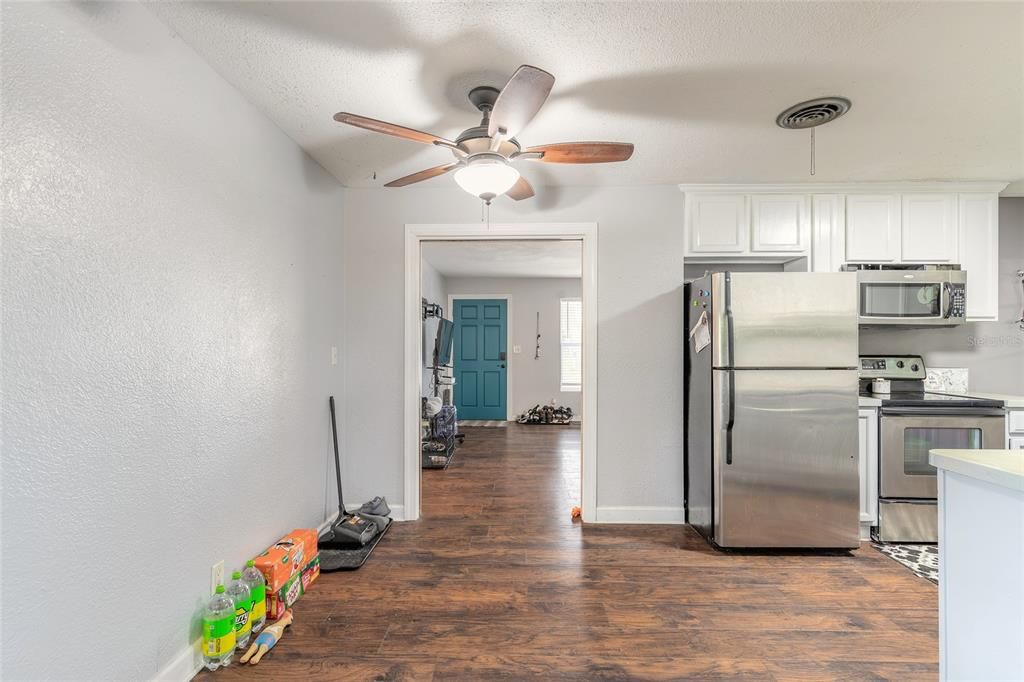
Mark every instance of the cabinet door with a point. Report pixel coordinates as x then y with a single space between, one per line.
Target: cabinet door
872 228
717 223
867 423
979 254
827 240
780 222
929 228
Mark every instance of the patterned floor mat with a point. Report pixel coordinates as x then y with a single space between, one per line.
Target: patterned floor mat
491 423
922 560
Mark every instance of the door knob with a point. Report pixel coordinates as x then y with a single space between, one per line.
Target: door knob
501 366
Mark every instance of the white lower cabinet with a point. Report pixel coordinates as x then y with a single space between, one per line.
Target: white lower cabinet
867 423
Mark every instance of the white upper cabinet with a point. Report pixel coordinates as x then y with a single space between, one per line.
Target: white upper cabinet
717 223
929 228
872 228
979 253
780 222
833 224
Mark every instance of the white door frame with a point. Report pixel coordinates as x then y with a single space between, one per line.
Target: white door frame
508 337
416 234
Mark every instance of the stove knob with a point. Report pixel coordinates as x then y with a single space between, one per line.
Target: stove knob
899 363
914 368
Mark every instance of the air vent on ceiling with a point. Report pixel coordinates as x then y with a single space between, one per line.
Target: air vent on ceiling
813 113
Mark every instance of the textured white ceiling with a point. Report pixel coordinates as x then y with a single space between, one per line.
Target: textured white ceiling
937 87
505 258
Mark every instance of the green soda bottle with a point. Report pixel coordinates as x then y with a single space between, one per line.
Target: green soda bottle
218 630
252 577
239 593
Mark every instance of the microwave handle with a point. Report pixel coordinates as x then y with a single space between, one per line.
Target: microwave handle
947 291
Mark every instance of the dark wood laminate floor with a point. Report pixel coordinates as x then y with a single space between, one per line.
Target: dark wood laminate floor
496 582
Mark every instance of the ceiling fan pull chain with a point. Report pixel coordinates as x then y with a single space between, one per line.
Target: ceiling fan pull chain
812 151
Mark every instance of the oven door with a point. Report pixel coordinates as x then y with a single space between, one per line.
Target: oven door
906 435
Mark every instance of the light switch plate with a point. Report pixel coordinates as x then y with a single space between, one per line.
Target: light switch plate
517 349
334 355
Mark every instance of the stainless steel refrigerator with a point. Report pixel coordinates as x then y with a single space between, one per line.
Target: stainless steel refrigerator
771 409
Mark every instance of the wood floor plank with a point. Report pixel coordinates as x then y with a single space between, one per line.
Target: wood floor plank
497 582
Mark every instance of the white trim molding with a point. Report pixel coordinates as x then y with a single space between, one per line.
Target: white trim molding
416 234
645 515
849 187
508 336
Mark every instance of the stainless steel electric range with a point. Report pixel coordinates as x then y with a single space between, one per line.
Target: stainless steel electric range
911 422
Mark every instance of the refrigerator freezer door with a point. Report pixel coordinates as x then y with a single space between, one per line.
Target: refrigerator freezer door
786 469
790 319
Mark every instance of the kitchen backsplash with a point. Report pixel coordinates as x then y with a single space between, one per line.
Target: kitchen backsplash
949 379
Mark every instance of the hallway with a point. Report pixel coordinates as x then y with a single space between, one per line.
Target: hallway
496 581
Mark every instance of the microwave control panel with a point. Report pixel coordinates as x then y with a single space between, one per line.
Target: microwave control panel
957 300
892 367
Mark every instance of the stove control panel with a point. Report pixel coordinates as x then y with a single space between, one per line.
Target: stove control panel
892 367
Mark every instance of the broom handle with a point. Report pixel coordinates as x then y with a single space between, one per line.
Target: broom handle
337 462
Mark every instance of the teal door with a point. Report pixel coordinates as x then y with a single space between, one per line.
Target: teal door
480 360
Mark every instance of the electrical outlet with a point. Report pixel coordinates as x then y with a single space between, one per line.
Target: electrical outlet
517 349
334 355
216 576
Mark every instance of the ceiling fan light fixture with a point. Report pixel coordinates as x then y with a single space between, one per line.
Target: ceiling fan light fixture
487 176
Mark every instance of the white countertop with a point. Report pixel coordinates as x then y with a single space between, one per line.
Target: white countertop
869 402
1001 467
1013 401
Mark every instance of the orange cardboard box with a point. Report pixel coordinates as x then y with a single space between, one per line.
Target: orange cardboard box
287 557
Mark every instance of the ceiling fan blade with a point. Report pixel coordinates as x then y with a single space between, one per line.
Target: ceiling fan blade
519 101
423 175
521 190
390 129
580 152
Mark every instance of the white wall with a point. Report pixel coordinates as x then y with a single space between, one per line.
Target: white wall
434 288
531 381
171 288
640 270
993 352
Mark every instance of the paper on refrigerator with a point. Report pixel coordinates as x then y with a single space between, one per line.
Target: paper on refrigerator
701 333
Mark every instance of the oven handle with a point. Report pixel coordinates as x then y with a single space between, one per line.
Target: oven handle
948 412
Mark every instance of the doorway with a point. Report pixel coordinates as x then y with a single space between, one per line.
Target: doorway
489 303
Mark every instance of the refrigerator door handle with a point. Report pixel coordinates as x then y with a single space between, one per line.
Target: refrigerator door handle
730 415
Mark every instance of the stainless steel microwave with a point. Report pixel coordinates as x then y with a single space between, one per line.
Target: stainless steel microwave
911 296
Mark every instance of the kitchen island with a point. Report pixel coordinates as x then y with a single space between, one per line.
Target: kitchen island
981 564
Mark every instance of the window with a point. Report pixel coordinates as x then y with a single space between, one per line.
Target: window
571 322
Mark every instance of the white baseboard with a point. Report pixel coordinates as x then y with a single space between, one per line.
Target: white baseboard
665 515
184 666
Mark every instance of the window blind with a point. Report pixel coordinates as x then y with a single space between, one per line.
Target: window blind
571 323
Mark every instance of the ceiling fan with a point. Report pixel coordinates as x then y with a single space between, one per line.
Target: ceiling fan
484 154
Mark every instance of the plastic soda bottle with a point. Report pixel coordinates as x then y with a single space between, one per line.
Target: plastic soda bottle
239 593
253 579
218 630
